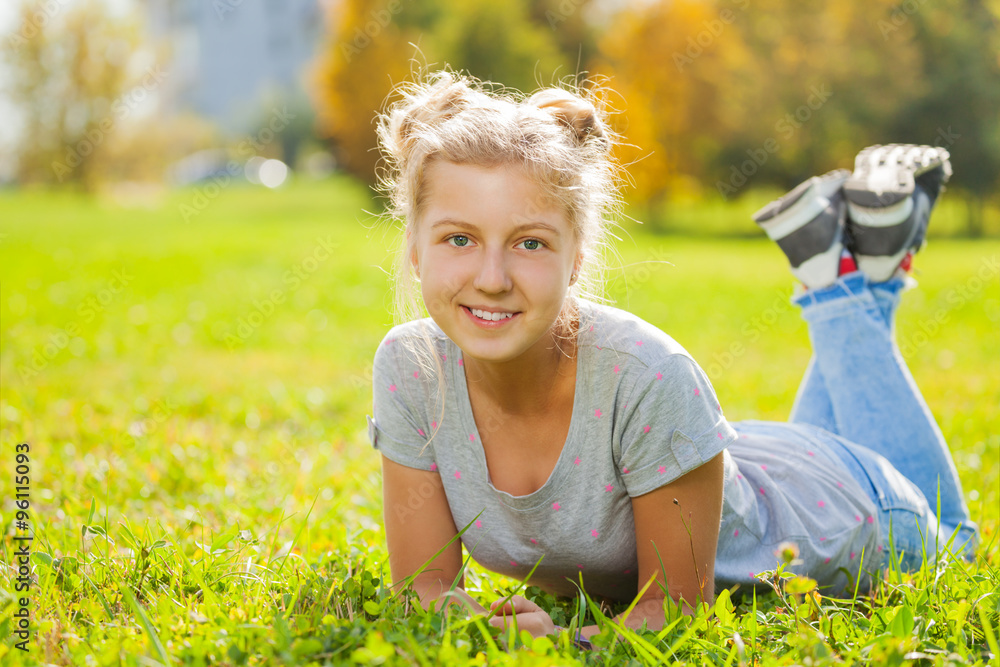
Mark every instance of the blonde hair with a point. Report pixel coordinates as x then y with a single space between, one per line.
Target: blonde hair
558 135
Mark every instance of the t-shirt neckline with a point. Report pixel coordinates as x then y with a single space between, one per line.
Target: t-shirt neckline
540 496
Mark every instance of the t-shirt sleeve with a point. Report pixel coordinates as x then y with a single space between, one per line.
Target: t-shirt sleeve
673 423
399 408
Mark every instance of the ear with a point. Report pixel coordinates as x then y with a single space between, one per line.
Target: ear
415 262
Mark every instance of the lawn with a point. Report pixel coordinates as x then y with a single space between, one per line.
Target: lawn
191 376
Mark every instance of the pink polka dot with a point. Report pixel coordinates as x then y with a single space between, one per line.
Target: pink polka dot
645 429
880 547
472 437
852 555
736 533
444 357
576 461
659 376
763 467
416 374
822 539
810 453
821 503
597 413
661 470
871 519
421 431
753 576
697 391
479 524
639 343
458 475
762 491
389 341
857 517
556 506
579 566
827 560
739 476
534 541
840 484
434 467
720 436
513 564
591 327
434 424
461 362
609 487
624 470
392 387
617 369
594 532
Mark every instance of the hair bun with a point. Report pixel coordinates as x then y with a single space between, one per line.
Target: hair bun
576 112
445 96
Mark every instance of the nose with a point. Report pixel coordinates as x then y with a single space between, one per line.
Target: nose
493 276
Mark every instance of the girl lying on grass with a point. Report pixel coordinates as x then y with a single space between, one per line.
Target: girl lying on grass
566 433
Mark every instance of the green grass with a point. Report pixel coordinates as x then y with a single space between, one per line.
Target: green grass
206 494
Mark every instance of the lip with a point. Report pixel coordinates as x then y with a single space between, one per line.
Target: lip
483 324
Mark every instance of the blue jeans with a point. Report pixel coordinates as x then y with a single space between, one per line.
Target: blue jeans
858 387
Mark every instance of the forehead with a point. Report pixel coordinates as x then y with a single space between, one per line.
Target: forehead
490 196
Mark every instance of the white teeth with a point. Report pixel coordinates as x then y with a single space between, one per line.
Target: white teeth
485 315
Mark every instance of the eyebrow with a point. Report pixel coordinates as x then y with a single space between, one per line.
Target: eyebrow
520 228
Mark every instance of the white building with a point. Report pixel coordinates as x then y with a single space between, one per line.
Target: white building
229 59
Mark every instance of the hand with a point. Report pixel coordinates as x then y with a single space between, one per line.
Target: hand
529 615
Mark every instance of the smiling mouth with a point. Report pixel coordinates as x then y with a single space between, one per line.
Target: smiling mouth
488 316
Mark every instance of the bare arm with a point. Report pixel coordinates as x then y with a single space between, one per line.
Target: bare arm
688 560
418 523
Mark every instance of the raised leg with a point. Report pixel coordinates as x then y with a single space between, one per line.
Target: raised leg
872 395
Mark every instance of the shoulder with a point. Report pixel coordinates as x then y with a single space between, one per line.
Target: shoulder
410 342
617 333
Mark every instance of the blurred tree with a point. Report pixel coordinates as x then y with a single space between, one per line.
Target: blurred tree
959 102
575 25
71 73
825 82
679 65
372 43
495 40
367 54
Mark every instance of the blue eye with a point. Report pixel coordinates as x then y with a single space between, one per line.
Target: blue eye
460 241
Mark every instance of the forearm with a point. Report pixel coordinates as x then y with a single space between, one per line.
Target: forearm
434 595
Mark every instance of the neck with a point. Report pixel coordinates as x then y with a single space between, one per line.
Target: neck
530 384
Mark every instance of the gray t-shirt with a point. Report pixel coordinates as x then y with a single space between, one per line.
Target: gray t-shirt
644 413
